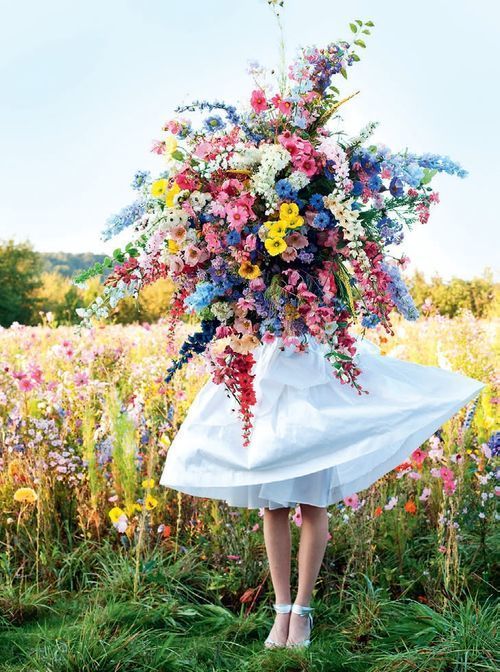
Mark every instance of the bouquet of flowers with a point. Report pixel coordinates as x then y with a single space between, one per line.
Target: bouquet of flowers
271 225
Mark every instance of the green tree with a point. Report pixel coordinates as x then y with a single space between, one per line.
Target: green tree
20 273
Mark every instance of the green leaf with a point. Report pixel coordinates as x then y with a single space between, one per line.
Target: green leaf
370 24
353 27
133 252
366 32
359 22
428 175
177 155
117 253
360 43
107 262
355 57
343 72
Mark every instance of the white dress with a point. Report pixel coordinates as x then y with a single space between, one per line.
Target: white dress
314 439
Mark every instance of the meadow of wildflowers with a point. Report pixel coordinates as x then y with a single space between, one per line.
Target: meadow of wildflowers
85 423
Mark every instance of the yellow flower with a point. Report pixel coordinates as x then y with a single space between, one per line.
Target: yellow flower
171 194
25 495
148 483
172 246
170 145
298 221
289 211
158 188
277 230
116 513
150 502
249 270
275 246
130 509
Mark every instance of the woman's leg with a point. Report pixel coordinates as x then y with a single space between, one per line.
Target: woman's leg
278 546
312 546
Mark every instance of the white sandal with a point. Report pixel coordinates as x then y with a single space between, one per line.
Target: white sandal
279 609
302 611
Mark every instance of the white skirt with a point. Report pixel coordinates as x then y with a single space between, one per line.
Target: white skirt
314 440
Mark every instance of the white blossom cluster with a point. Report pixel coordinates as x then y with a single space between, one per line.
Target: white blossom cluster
112 295
245 157
274 159
222 310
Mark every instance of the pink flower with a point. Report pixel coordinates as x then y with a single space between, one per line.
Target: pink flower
25 384
307 166
268 337
289 254
486 450
415 475
426 492
297 516
237 216
257 285
256 527
283 105
418 456
233 557
352 501
391 504
297 240
81 378
446 474
258 101
178 233
192 255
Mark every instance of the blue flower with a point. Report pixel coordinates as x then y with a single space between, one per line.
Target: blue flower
357 188
141 178
370 320
196 343
123 219
214 123
396 187
375 183
322 221
202 296
316 201
391 230
285 190
233 237
399 293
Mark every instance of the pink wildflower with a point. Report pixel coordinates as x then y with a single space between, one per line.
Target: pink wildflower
258 101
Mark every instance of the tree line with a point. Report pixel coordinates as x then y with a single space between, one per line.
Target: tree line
34 284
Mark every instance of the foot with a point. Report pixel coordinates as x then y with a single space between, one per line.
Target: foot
279 631
299 630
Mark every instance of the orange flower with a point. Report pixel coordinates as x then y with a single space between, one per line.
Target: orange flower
377 512
410 507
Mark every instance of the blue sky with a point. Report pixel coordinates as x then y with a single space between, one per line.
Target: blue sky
86 87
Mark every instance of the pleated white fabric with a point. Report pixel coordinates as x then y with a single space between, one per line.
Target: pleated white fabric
314 439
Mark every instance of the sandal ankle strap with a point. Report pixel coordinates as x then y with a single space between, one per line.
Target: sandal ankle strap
282 608
301 609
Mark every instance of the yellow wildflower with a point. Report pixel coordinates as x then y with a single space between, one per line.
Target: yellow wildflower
130 509
277 230
289 211
249 270
159 188
294 224
150 502
171 194
27 495
148 483
275 246
116 513
172 246
170 145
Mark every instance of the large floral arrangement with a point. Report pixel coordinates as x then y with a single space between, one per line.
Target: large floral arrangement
271 225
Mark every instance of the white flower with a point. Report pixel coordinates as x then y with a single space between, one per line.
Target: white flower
222 310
